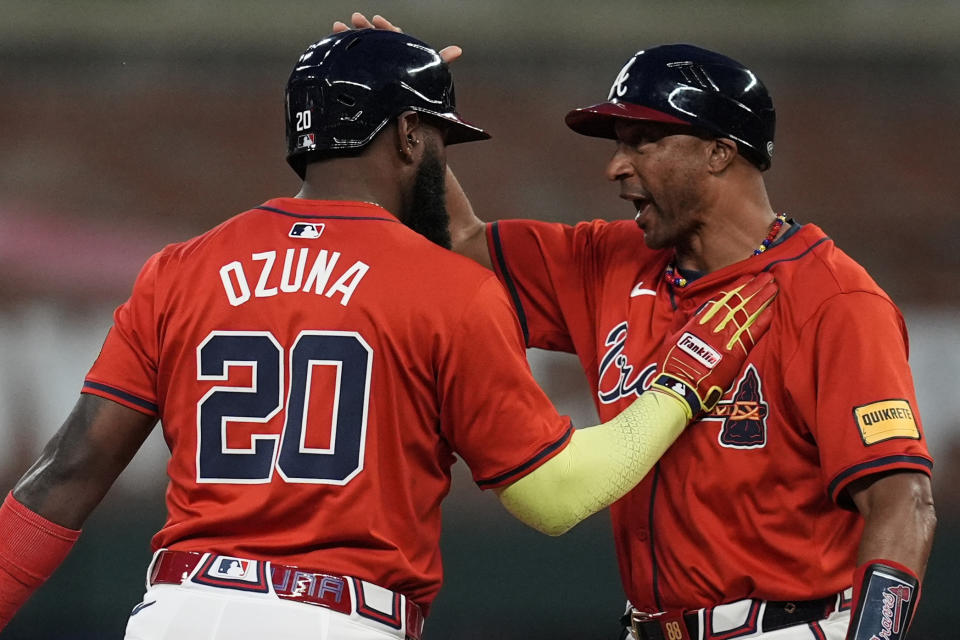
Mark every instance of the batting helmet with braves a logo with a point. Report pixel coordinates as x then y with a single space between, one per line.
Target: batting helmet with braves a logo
684 84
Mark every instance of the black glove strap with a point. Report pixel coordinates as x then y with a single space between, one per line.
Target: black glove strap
682 389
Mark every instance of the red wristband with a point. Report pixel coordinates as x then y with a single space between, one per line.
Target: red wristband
885 596
31 548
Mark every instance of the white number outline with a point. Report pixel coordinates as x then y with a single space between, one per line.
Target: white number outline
302 448
224 375
282 404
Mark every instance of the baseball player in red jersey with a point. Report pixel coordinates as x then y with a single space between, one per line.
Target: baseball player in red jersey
316 362
800 506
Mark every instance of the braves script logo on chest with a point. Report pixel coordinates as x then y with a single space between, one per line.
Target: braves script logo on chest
617 377
744 416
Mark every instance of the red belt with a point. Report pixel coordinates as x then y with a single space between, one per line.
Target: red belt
289 583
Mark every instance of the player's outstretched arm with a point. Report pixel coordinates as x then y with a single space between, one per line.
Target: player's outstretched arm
467 231
602 463
40 519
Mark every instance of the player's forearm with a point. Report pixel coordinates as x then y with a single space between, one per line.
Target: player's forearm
598 467
467 232
892 558
83 459
899 520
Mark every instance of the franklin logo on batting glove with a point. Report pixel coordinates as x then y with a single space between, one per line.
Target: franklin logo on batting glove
700 350
694 369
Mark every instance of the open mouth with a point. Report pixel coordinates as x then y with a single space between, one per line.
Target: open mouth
642 205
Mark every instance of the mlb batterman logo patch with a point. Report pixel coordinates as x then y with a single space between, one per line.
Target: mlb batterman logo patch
306 230
886 419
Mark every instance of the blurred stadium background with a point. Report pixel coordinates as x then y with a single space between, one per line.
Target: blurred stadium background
129 125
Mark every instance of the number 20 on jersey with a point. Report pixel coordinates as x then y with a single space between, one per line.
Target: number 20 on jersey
287 452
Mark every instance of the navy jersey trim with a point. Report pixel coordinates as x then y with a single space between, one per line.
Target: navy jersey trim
301 216
546 451
798 256
653 548
794 227
817 631
123 395
673 298
508 281
873 464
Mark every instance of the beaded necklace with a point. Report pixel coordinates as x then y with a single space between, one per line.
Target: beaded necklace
680 282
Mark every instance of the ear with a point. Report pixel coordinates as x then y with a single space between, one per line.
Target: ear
723 151
409 135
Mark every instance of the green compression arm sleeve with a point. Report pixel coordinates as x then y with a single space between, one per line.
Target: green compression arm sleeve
598 466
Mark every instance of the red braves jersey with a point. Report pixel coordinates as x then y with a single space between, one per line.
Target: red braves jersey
315 366
750 501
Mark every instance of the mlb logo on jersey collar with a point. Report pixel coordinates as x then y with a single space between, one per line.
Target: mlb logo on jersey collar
306 230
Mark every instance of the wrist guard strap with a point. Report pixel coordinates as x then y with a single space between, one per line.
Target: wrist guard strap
885 595
31 547
673 386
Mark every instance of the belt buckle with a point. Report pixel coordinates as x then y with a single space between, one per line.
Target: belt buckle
639 618
671 624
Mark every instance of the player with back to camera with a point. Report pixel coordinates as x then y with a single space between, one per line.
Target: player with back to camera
800 506
316 362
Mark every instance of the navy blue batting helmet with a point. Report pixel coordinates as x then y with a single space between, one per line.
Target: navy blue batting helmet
684 84
346 87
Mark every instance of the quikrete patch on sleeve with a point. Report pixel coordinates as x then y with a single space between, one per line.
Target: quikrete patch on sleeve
886 419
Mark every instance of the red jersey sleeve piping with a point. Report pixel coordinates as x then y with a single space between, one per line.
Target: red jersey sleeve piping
922 464
521 470
500 266
119 396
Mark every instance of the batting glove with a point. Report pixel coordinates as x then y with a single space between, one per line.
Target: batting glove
712 347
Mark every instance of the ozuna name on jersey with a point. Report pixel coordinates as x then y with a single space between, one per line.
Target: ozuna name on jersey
267 279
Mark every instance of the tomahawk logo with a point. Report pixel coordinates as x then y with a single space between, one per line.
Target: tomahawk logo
891 614
700 350
744 416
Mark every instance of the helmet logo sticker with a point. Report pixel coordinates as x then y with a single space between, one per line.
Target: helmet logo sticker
306 141
694 74
619 88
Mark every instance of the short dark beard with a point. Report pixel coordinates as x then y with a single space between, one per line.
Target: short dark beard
427 214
